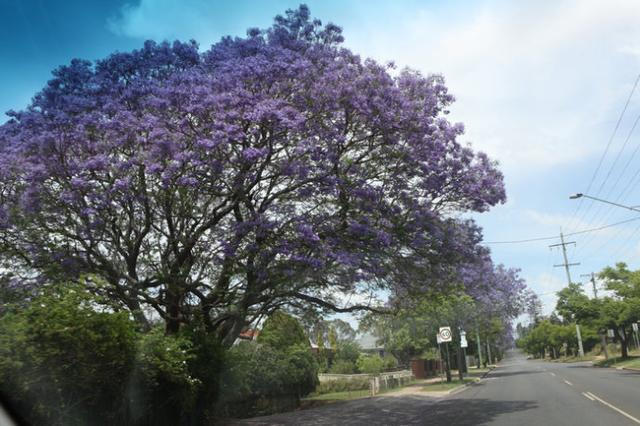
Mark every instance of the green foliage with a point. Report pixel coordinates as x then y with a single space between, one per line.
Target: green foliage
573 305
259 379
370 364
343 366
66 359
281 331
69 359
551 338
389 362
343 385
348 351
163 390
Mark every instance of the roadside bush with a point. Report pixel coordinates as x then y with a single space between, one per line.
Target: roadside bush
65 359
258 379
161 389
343 385
370 364
389 362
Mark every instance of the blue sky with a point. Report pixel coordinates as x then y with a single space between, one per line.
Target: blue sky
539 86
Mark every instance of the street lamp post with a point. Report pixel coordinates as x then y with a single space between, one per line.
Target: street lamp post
579 195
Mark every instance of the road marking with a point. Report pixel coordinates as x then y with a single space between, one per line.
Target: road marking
568 382
553 374
588 396
613 407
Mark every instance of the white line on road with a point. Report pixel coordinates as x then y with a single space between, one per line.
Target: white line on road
553 374
627 415
588 396
568 382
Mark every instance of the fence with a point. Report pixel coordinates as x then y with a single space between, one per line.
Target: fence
389 381
377 383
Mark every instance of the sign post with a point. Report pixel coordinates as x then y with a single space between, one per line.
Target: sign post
463 346
439 340
446 337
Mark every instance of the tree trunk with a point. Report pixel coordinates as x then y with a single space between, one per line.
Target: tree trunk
623 342
172 325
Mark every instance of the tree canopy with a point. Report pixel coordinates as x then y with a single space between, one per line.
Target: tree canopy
271 170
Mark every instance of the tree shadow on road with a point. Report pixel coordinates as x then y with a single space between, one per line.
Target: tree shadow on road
409 410
511 373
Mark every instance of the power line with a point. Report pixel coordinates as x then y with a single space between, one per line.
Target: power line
555 237
604 154
597 213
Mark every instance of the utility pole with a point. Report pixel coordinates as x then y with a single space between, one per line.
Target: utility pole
593 283
603 337
479 345
566 265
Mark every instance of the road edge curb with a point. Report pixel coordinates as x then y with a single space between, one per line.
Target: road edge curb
630 369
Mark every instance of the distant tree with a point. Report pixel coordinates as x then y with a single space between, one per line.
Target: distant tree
573 305
333 338
623 309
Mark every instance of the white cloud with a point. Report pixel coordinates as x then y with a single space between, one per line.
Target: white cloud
537 83
534 80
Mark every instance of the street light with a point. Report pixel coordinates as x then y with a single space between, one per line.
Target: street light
579 195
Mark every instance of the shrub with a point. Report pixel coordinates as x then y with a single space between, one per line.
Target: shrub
348 351
370 364
343 366
389 362
343 385
161 388
65 358
258 379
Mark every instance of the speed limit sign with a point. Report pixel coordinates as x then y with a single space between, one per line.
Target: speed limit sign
445 334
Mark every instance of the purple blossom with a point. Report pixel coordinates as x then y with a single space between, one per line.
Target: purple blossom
282 154
253 154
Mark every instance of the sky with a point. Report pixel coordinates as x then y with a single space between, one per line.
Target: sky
540 86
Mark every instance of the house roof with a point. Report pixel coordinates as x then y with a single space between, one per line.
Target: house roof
249 334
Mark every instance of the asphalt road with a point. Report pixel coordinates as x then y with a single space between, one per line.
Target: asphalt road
518 392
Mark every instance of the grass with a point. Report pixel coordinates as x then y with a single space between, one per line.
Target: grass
339 396
354 394
446 386
632 362
477 372
587 357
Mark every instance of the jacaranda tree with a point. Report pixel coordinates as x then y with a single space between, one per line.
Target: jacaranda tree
277 169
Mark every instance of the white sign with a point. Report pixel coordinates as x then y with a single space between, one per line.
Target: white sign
463 341
438 339
611 333
445 334
634 326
